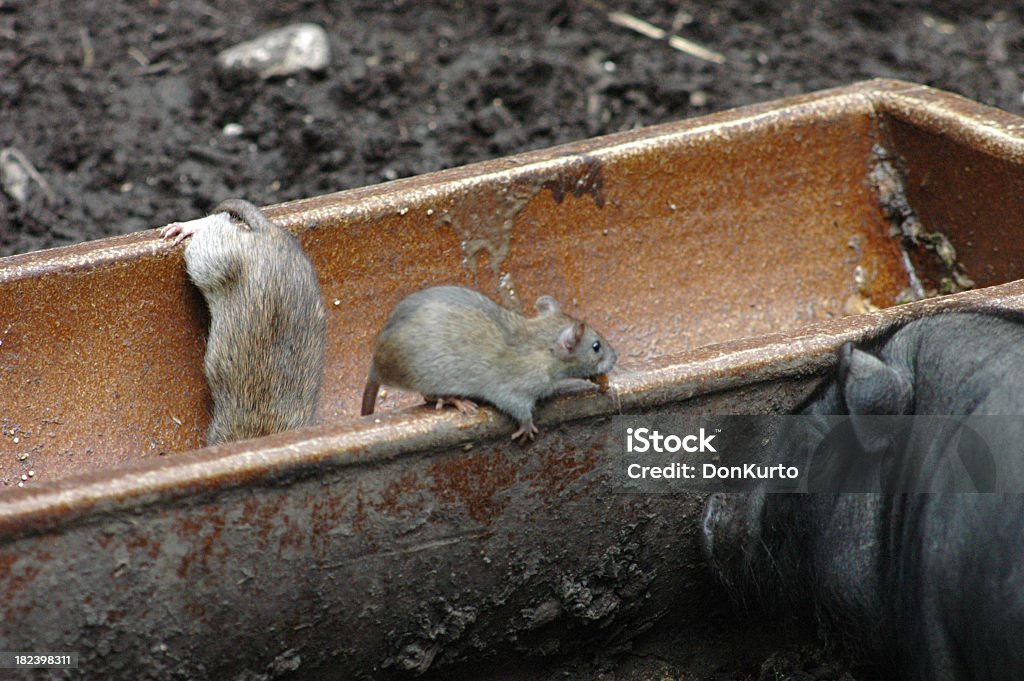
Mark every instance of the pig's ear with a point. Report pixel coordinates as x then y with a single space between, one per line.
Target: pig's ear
870 386
873 390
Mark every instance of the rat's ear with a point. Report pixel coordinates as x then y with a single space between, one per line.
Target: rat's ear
569 339
547 305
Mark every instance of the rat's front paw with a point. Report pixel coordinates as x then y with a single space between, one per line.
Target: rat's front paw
179 230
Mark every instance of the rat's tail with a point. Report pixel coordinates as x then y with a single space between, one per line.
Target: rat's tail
253 219
370 393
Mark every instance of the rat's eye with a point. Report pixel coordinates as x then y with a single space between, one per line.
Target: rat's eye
596 346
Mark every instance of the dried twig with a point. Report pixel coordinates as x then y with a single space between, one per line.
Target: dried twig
139 56
651 31
88 53
15 173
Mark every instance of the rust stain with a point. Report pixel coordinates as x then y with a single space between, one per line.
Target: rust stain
143 543
201 532
583 175
593 484
16 585
359 516
326 513
398 498
292 535
475 482
260 513
561 464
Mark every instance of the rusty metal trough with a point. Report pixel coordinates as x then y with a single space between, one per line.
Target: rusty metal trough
725 257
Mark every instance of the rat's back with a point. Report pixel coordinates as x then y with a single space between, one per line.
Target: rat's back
265 350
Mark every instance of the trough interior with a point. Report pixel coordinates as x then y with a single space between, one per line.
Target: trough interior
698 233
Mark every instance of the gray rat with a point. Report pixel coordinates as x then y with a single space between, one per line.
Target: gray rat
456 345
265 351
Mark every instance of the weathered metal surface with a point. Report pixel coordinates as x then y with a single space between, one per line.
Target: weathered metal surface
721 256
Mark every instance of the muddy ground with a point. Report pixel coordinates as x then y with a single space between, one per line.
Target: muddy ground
120 108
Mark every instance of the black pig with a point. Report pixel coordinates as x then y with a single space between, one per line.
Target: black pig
931 582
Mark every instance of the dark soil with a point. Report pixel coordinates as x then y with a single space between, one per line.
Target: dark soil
130 133
135 139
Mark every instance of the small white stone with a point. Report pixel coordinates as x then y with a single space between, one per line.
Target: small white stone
280 52
19 178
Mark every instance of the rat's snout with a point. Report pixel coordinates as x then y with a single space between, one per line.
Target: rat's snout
608 361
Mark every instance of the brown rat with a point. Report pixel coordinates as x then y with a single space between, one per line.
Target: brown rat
455 345
265 351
